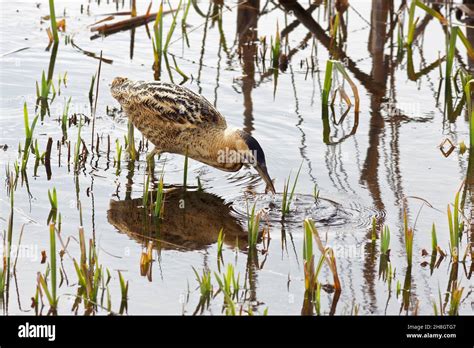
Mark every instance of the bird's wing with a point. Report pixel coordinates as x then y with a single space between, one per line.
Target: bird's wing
175 104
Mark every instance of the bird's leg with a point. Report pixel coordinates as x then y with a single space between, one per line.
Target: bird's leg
150 159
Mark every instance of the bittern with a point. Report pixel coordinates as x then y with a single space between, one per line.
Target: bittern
177 120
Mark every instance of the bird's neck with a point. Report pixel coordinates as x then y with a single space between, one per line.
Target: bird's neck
222 149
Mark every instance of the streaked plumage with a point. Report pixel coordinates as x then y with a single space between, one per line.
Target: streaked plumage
177 120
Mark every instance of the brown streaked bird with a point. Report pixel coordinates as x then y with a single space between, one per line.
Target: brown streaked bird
177 120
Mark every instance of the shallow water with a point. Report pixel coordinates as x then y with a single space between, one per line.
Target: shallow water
390 162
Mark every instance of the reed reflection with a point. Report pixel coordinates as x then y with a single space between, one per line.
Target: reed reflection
247 24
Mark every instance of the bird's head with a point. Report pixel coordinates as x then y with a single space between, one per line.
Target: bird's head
247 150
118 89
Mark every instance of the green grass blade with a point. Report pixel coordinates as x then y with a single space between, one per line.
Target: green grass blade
54 26
327 82
172 27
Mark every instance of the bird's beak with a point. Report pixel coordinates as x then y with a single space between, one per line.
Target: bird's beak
258 159
262 170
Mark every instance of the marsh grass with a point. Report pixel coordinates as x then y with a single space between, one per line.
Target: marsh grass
435 306
288 196
146 261
183 22
5 270
275 57
455 299
327 82
229 283
223 41
459 74
276 48
342 70
434 239
53 201
39 158
109 301
412 21
331 66
124 292
253 226
406 293
160 199
89 273
385 241
158 41
316 192
326 252
46 85
317 299
308 257
470 110
334 29
64 118
456 33
172 27
454 230
409 234
146 190
118 157
384 253
54 25
161 50
168 67
37 154
29 131
310 273
179 71
205 289
51 293
390 277
220 245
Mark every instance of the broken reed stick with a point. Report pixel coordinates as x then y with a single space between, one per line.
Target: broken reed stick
95 101
47 158
129 23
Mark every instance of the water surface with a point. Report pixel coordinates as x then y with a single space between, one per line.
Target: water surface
370 171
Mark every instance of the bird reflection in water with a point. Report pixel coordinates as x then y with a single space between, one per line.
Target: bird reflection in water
191 220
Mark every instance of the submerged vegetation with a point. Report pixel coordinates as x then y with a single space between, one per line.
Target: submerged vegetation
313 242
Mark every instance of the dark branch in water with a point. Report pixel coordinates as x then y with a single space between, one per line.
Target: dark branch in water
309 22
293 25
